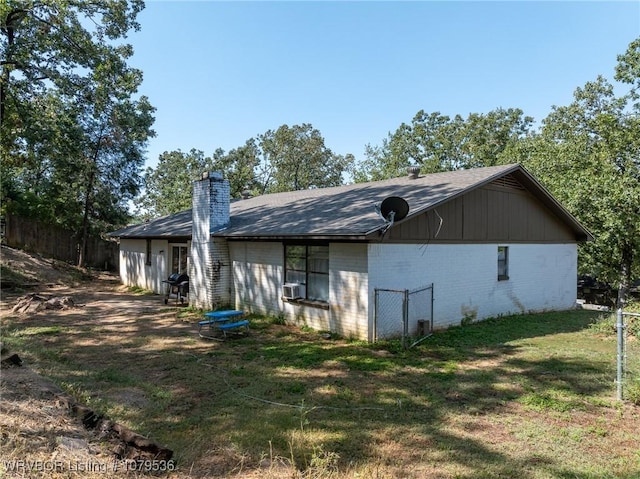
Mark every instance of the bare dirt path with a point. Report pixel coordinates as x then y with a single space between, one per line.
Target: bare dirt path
41 427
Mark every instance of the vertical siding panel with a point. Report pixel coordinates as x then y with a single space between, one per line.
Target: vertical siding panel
517 213
536 220
495 215
476 204
458 217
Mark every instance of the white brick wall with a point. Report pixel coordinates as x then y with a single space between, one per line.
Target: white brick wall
541 277
348 289
257 276
133 268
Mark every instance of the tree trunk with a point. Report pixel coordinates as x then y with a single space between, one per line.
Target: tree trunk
85 221
625 274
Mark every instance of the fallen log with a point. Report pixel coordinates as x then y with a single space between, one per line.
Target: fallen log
129 444
141 443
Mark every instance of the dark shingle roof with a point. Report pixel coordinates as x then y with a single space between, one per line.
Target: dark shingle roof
344 211
170 226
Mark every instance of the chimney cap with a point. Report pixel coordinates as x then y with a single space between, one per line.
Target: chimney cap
214 175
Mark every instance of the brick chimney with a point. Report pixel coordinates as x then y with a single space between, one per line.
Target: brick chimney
211 199
209 271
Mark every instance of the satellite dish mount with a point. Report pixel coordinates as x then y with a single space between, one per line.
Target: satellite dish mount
392 209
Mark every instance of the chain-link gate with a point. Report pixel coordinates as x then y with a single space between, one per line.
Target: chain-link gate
403 313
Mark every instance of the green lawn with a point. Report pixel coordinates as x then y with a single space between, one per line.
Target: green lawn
529 396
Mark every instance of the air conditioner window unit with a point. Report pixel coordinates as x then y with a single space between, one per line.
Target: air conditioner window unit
292 290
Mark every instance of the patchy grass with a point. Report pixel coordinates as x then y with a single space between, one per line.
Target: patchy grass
139 290
528 396
11 277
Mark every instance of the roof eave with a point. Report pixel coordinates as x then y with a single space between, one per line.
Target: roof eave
294 237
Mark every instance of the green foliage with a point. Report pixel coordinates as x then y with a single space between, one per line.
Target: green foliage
296 158
606 324
588 155
73 131
628 69
551 400
437 142
632 391
139 290
168 186
280 319
239 167
289 158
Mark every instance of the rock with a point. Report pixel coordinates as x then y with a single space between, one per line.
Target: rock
72 443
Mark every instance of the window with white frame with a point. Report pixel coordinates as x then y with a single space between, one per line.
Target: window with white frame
308 265
503 263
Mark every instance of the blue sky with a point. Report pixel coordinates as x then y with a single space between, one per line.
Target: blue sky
220 73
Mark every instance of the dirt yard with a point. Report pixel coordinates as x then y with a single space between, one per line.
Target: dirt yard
44 430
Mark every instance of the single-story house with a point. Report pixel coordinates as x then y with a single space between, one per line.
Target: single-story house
492 241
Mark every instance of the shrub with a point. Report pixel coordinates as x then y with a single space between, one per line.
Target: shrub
633 391
606 324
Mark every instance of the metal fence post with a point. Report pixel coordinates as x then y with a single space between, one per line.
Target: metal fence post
620 369
431 317
405 318
375 315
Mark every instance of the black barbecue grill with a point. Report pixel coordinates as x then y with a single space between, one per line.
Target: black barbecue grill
177 284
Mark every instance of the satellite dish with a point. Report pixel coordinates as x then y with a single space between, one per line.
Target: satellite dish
394 208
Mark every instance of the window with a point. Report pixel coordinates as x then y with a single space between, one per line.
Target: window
309 266
503 263
148 257
179 256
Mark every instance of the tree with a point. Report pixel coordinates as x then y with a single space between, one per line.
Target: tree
437 142
239 167
628 71
588 155
115 130
296 158
286 159
48 46
168 186
73 131
486 139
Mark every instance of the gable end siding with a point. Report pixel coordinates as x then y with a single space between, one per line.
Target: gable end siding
487 214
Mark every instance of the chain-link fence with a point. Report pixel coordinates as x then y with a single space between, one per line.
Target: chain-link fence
403 313
628 359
